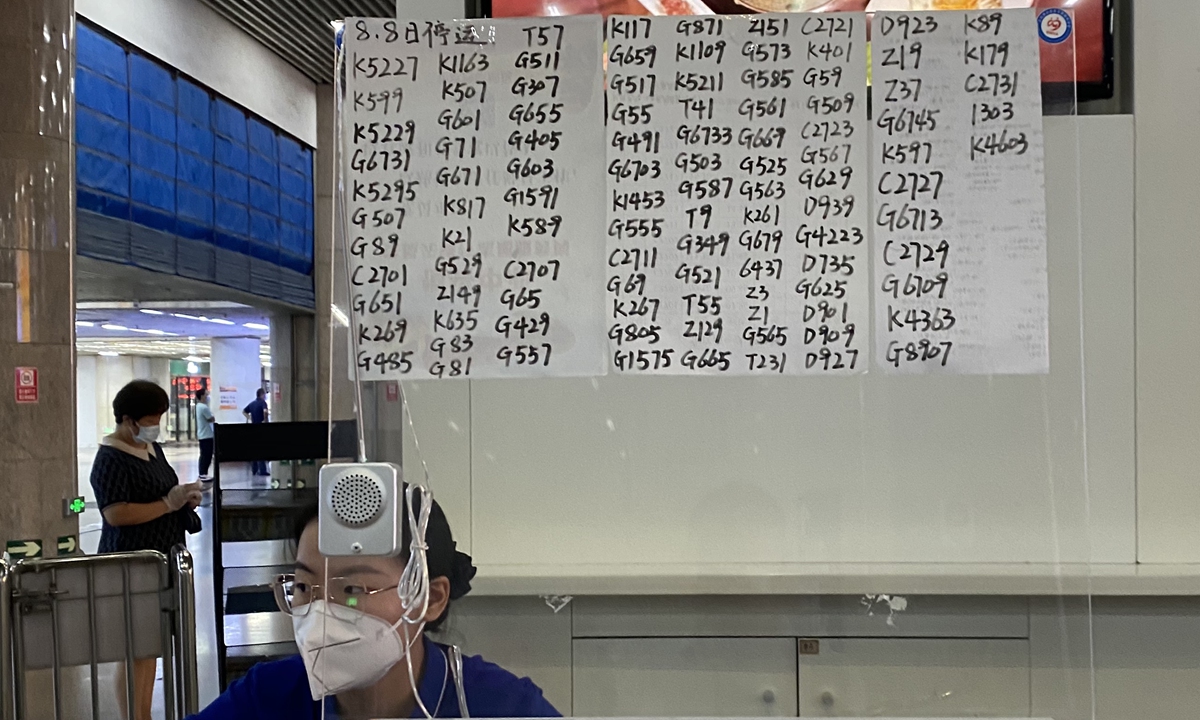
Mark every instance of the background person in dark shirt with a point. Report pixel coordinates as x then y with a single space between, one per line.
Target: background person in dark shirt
258 413
141 501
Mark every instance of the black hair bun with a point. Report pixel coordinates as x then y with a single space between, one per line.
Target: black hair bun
462 572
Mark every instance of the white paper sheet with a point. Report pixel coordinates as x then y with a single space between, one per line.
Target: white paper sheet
958 193
737 195
473 168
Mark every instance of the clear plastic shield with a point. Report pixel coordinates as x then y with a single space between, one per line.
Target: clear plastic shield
863 429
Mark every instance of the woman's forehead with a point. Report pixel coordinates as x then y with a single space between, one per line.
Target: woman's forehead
309 559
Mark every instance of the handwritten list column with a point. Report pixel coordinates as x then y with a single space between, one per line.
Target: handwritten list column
959 205
472 166
735 233
834 199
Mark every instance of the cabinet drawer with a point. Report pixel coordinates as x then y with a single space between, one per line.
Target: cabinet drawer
521 635
685 677
916 678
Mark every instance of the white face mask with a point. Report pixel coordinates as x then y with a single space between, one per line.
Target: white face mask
147 435
344 648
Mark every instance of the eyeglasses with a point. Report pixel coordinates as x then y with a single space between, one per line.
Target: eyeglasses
295 598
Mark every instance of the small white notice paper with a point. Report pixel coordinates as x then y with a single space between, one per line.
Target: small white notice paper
473 167
960 278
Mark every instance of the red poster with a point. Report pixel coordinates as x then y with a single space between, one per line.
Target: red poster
26 385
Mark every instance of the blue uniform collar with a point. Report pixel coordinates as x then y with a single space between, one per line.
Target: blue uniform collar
436 686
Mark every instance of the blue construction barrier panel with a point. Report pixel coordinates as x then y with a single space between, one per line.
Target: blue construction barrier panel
175 178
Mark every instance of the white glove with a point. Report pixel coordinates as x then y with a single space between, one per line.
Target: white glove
181 495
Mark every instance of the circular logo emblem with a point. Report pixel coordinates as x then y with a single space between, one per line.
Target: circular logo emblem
1054 26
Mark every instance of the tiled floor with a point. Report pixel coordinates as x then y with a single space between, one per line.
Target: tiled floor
185 460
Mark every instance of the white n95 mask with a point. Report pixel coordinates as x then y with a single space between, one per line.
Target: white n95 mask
344 648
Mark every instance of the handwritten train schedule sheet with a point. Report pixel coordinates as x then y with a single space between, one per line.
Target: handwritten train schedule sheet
737 187
724 196
473 175
959 204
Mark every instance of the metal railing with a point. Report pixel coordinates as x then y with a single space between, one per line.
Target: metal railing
88 610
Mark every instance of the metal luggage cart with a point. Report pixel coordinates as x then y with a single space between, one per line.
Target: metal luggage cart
83 611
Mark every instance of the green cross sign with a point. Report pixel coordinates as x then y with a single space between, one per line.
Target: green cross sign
75 506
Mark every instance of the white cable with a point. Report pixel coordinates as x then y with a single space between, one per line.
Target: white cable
324 630
412 676
413 589
414 583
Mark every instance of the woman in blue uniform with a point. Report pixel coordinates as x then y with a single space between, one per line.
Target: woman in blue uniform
353 644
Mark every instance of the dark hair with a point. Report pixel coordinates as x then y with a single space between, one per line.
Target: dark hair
201 393
442 553
260 393
139 399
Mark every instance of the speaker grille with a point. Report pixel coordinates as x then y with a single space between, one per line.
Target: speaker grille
356 499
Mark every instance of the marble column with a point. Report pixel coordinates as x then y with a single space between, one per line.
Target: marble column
304 380
282 373
37 214
332 326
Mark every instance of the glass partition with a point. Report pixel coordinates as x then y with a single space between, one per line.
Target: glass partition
901 523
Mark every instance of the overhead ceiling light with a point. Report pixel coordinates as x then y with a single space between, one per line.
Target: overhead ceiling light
84 323
108 353
195 359
114 328
153 312
256 326
218 321
182 316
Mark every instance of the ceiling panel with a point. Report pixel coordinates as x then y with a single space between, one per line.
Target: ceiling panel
193 350
299 30
180 321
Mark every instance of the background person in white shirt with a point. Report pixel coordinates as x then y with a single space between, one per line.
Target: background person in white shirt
204 432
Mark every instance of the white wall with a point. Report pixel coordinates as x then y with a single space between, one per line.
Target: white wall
156 370
99 379
1167 64
193 38
112 374
623 471
86 427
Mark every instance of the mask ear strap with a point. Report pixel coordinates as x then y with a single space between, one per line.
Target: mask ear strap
404 620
